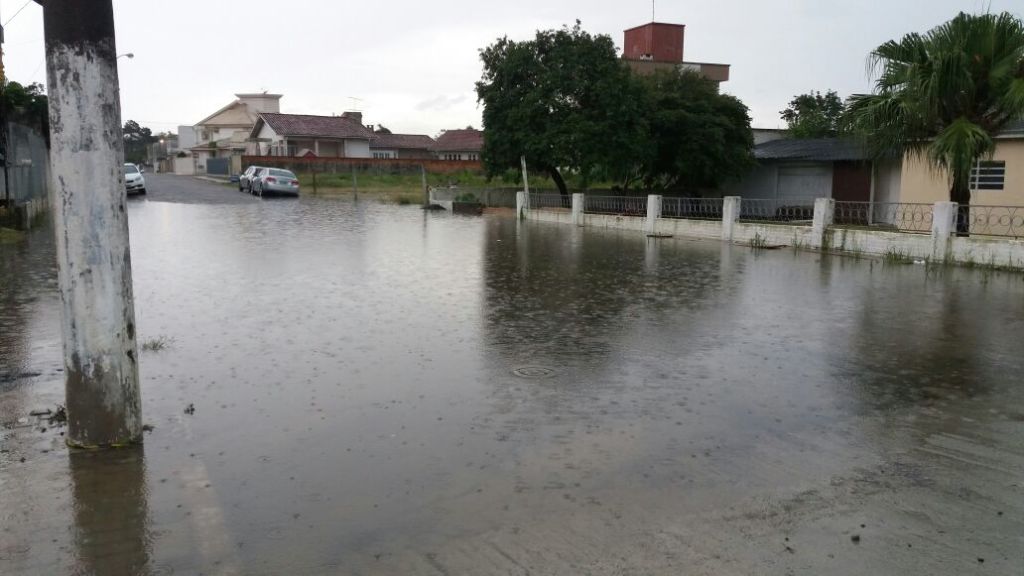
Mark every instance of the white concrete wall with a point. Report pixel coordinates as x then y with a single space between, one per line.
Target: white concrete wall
937 247
184 166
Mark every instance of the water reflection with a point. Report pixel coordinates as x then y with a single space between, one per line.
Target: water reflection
361 404
112 532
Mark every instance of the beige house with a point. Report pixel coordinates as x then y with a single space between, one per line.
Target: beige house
223 135
996 182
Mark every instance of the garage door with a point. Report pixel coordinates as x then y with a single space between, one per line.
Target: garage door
805 182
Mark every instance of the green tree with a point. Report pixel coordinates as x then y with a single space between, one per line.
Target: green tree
697 137
563 100
136 141
944 95
27 104
815 115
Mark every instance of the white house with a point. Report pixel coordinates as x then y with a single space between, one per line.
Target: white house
302 135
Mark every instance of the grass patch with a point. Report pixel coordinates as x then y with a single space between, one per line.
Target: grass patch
157 344
896 256
10 235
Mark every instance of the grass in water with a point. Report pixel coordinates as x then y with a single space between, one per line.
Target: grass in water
157 344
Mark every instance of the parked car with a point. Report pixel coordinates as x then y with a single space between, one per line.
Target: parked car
246 178
134 182
275 182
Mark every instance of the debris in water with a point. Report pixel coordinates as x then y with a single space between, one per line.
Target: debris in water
190 409
60 416
855 538
43 412
148 428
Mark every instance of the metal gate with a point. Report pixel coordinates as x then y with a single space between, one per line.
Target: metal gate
218 166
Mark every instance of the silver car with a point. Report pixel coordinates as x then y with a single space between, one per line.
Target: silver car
245 180
275 182
134 182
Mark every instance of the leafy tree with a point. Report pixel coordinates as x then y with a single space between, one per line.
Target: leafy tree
698 138
945 94
564 101
27 104
815 115
136 141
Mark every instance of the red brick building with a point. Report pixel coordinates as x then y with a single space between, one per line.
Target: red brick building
660 46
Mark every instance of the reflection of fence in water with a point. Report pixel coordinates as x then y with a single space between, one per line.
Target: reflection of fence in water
897 216
617 205
776 210
692 208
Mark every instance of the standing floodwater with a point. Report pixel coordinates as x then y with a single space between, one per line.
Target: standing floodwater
379 390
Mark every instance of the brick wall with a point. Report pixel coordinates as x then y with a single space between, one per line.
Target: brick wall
432 166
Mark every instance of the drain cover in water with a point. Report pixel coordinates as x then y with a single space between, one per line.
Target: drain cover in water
535 372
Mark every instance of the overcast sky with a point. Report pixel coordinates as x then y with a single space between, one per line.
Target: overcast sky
413 64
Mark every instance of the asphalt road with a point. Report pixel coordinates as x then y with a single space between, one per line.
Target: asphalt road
190 190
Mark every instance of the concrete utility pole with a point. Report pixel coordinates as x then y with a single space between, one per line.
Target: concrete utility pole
94 264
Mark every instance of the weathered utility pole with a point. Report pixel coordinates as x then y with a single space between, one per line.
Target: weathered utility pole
94 264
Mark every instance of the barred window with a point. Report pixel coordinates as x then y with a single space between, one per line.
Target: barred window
988 175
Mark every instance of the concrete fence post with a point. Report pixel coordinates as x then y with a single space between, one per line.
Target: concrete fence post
91 224
653 213
824 215
577 209
730 216
943 228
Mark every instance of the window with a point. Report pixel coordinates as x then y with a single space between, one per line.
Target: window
988 175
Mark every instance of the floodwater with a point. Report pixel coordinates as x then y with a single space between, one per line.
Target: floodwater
379 390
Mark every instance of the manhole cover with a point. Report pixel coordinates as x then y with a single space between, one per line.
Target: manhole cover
535 372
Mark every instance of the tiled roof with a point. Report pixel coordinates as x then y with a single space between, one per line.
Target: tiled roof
466 140
292 125
402 142
818 149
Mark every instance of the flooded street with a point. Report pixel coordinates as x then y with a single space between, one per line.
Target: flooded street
383 390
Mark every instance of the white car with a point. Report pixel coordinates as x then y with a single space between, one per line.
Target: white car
134 182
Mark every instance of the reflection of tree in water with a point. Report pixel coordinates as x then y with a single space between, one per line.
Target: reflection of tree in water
27 270
559 293
111 513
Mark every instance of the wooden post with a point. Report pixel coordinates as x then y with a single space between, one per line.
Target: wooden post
91 222
526 181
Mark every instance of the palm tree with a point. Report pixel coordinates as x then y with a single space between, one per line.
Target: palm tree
944 95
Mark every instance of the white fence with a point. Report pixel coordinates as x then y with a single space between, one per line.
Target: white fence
990 236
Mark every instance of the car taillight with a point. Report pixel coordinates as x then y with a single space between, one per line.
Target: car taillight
271 179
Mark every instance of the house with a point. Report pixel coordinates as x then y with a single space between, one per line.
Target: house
799 170
659 46
998 181
415 146
222 136
464 144
304 135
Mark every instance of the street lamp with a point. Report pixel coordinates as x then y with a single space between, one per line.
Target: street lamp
128 55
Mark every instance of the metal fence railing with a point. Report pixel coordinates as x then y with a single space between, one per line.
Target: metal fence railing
995 220
617 205
692 208
782 210
897 216
541 201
